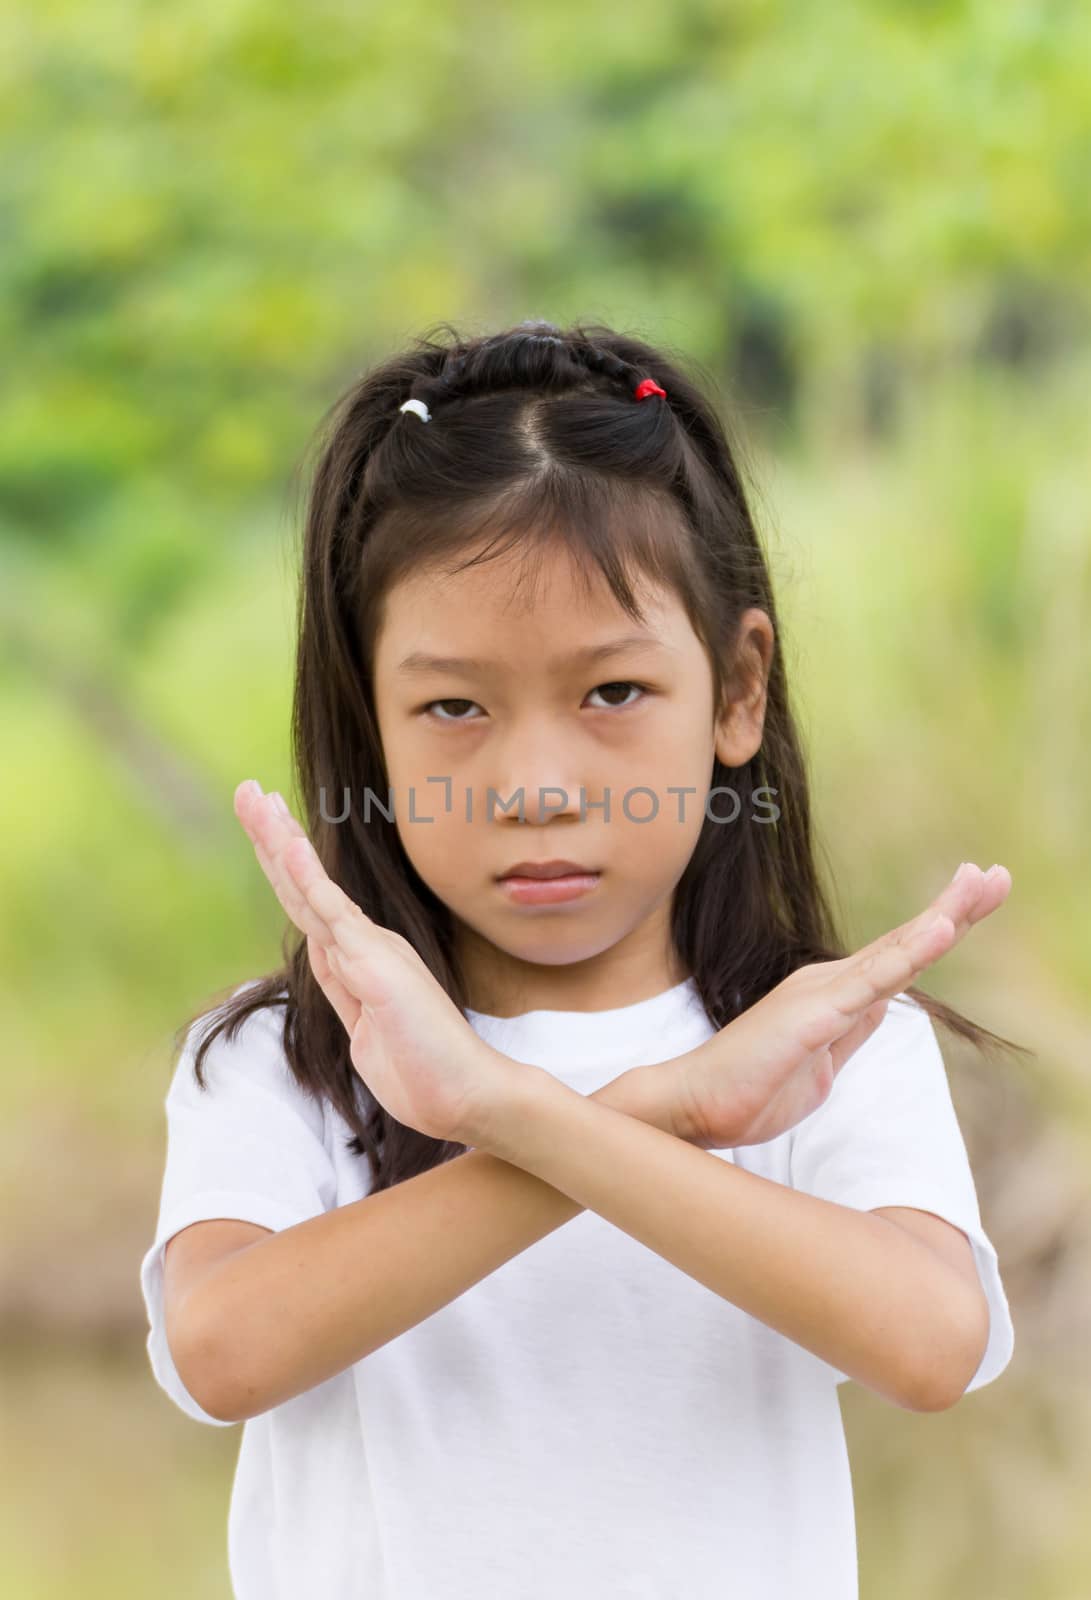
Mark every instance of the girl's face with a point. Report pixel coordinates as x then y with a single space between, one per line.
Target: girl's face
528 711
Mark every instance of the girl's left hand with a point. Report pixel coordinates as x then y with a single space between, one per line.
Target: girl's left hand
411 1045
775 1064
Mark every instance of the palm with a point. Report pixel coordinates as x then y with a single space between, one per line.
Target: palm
774 1065
753 1081
409 1042
412 1046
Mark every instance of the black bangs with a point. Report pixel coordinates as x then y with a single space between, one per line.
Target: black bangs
622 531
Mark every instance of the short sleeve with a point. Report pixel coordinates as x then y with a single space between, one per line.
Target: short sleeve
887 1135
248 1146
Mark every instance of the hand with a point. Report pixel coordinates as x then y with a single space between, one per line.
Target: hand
774 1065
411 1045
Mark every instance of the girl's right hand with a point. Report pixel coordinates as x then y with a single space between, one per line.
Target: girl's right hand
414 1049
775 1064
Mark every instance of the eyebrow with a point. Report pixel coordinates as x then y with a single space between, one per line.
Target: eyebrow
421 661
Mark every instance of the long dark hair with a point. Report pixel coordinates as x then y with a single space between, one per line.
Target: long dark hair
535 435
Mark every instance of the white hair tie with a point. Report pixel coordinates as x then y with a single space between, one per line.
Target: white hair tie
419 407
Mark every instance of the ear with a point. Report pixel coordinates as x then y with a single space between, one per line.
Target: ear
739 728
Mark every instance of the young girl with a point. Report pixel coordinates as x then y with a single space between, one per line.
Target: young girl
531 1215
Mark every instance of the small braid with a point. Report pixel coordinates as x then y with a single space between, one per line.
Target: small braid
580 351
452 370
604 361
438 387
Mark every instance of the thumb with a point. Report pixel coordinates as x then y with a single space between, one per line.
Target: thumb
841 1049
343 1001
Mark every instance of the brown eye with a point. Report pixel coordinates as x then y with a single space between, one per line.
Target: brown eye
621 684
432 703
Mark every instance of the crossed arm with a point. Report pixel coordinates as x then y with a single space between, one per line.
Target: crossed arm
903 1315
890 1297
899 1308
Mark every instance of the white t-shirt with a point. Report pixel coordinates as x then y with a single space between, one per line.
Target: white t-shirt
587 1421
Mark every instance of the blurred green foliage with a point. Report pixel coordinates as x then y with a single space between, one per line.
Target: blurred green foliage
868 223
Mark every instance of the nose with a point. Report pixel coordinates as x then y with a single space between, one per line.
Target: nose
539 780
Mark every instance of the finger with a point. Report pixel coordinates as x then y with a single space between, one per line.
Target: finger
905 951
847 1045
970 896
967 898
269 833
997 887
881 971
343 1001
289 896
352 930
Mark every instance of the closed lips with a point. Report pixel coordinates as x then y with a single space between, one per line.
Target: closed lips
549 869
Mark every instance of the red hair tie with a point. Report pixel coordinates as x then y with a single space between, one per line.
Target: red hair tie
647 387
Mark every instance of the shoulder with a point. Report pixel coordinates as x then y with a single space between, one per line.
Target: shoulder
905 1038
250 1063
898 1071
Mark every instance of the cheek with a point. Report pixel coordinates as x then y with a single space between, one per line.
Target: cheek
667 789
656 841
441 845
679 758
411 761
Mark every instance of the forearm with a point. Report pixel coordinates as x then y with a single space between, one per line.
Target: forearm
308 1301
859 1293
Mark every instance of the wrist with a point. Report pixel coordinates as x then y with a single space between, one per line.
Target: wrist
650 1093
644 1092
510 1090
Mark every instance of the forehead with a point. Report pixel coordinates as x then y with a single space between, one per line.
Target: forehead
492 613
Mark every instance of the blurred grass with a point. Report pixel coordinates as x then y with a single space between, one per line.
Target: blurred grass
941 601
114 1497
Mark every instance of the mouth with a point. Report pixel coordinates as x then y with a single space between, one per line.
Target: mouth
547 883
548 869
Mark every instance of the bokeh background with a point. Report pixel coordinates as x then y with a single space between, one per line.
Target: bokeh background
869 223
